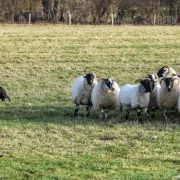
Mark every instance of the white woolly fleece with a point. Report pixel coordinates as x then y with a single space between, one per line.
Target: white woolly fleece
168 100
154 95
105 99
81 91
179 103
131 97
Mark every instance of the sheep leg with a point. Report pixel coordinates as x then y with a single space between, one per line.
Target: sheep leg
88 108
147 111
9 98
102 114
153 110
107 110
138 111
165 115
127 114
76 110
174 113
121 109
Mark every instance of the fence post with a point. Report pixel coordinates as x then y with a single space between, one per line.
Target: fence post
154 21
29 18
69 18
112 16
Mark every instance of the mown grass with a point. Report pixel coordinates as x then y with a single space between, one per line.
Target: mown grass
40 138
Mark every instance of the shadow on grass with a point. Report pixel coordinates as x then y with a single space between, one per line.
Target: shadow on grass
47 114
64 115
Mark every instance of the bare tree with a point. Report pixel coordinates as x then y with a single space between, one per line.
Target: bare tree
93 11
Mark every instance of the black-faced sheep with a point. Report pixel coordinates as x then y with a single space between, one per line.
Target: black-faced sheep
135 97
81 92
3 94
166 71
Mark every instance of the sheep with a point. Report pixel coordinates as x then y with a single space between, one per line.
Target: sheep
105 97
179 102
3 94
169 93
81 92
153 105
135 97
166 71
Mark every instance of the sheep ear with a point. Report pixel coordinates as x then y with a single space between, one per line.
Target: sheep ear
138 80
177 79
166 67
156 76
147 76
96 77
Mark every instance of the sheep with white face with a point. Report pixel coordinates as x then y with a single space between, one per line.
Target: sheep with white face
153 104
105 97
169 94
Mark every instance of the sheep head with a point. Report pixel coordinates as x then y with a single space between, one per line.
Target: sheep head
108 84
90 77
148 84
170 83
166 71
153 77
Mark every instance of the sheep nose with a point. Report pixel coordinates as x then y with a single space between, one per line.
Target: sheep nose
169 89
112 89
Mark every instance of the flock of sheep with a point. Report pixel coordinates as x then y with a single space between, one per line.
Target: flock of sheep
154 91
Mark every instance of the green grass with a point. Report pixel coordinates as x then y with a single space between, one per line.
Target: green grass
40 138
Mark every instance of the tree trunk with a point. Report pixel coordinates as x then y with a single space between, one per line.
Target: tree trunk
55 6
61 19
154 21
46 8
178 14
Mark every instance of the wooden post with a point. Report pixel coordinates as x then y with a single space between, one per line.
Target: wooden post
154 23
12 17
69 18
29 18
112 16
154 20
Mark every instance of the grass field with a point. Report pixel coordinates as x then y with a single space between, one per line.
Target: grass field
40 138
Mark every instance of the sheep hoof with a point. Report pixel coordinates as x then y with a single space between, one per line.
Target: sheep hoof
126 117
140 121
103 117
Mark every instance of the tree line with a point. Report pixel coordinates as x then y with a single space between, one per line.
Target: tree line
91 11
